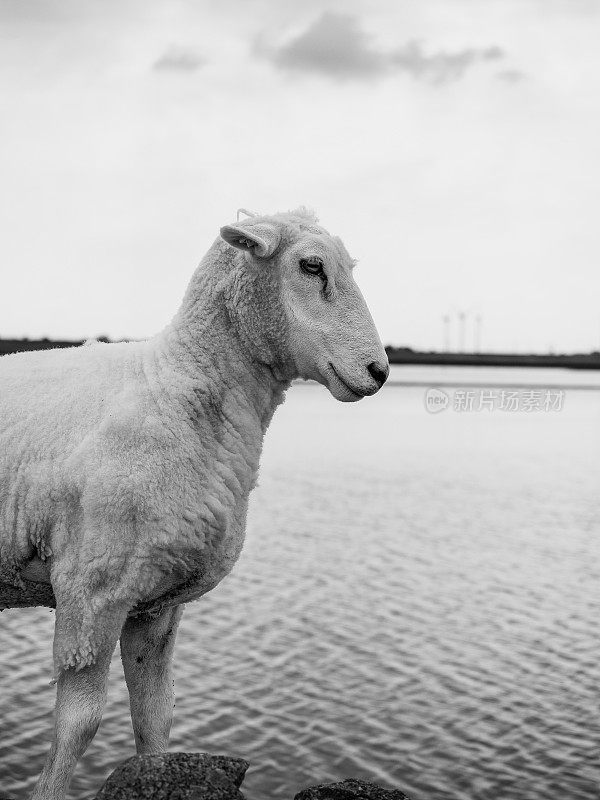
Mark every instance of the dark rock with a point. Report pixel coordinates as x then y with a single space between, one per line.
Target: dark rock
350 789
176 776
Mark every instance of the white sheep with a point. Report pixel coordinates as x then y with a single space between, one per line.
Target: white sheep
125 469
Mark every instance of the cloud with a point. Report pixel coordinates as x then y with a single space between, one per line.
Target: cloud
336 46
333 45
179 59
440 67
511 76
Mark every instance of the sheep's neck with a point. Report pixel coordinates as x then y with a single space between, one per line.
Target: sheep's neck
205 346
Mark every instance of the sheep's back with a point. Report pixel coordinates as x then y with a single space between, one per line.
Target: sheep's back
51 401
50 395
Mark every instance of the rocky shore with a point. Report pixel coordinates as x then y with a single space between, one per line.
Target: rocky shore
201 776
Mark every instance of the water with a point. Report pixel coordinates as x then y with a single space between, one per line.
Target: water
417 604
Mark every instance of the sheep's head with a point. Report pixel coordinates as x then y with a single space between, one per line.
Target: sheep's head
306 310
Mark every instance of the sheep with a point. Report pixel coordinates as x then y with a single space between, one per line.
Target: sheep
125 468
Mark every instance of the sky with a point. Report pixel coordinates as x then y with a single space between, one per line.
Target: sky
454 145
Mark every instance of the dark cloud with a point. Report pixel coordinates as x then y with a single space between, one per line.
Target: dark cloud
333 45
336 46
179 59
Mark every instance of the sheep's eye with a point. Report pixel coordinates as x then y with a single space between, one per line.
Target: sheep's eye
313 266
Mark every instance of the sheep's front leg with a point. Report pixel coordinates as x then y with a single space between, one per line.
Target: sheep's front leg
80 699
146 651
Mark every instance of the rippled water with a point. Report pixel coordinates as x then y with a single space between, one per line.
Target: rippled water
417 604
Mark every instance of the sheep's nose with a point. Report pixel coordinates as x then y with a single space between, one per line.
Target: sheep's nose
378 373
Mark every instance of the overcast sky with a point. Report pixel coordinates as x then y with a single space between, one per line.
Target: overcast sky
453 144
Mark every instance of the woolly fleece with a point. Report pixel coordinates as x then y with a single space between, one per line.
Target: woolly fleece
126 467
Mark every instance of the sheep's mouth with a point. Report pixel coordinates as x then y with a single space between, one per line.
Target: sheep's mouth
358 395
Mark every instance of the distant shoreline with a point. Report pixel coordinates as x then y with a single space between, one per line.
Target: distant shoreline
404 355
396 355
8 346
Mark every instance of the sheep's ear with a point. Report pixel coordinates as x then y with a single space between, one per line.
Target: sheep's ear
261 238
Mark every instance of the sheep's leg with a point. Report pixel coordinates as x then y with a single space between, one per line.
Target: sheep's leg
146 651
80 699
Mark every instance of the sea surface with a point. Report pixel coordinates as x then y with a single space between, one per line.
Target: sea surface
417 603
